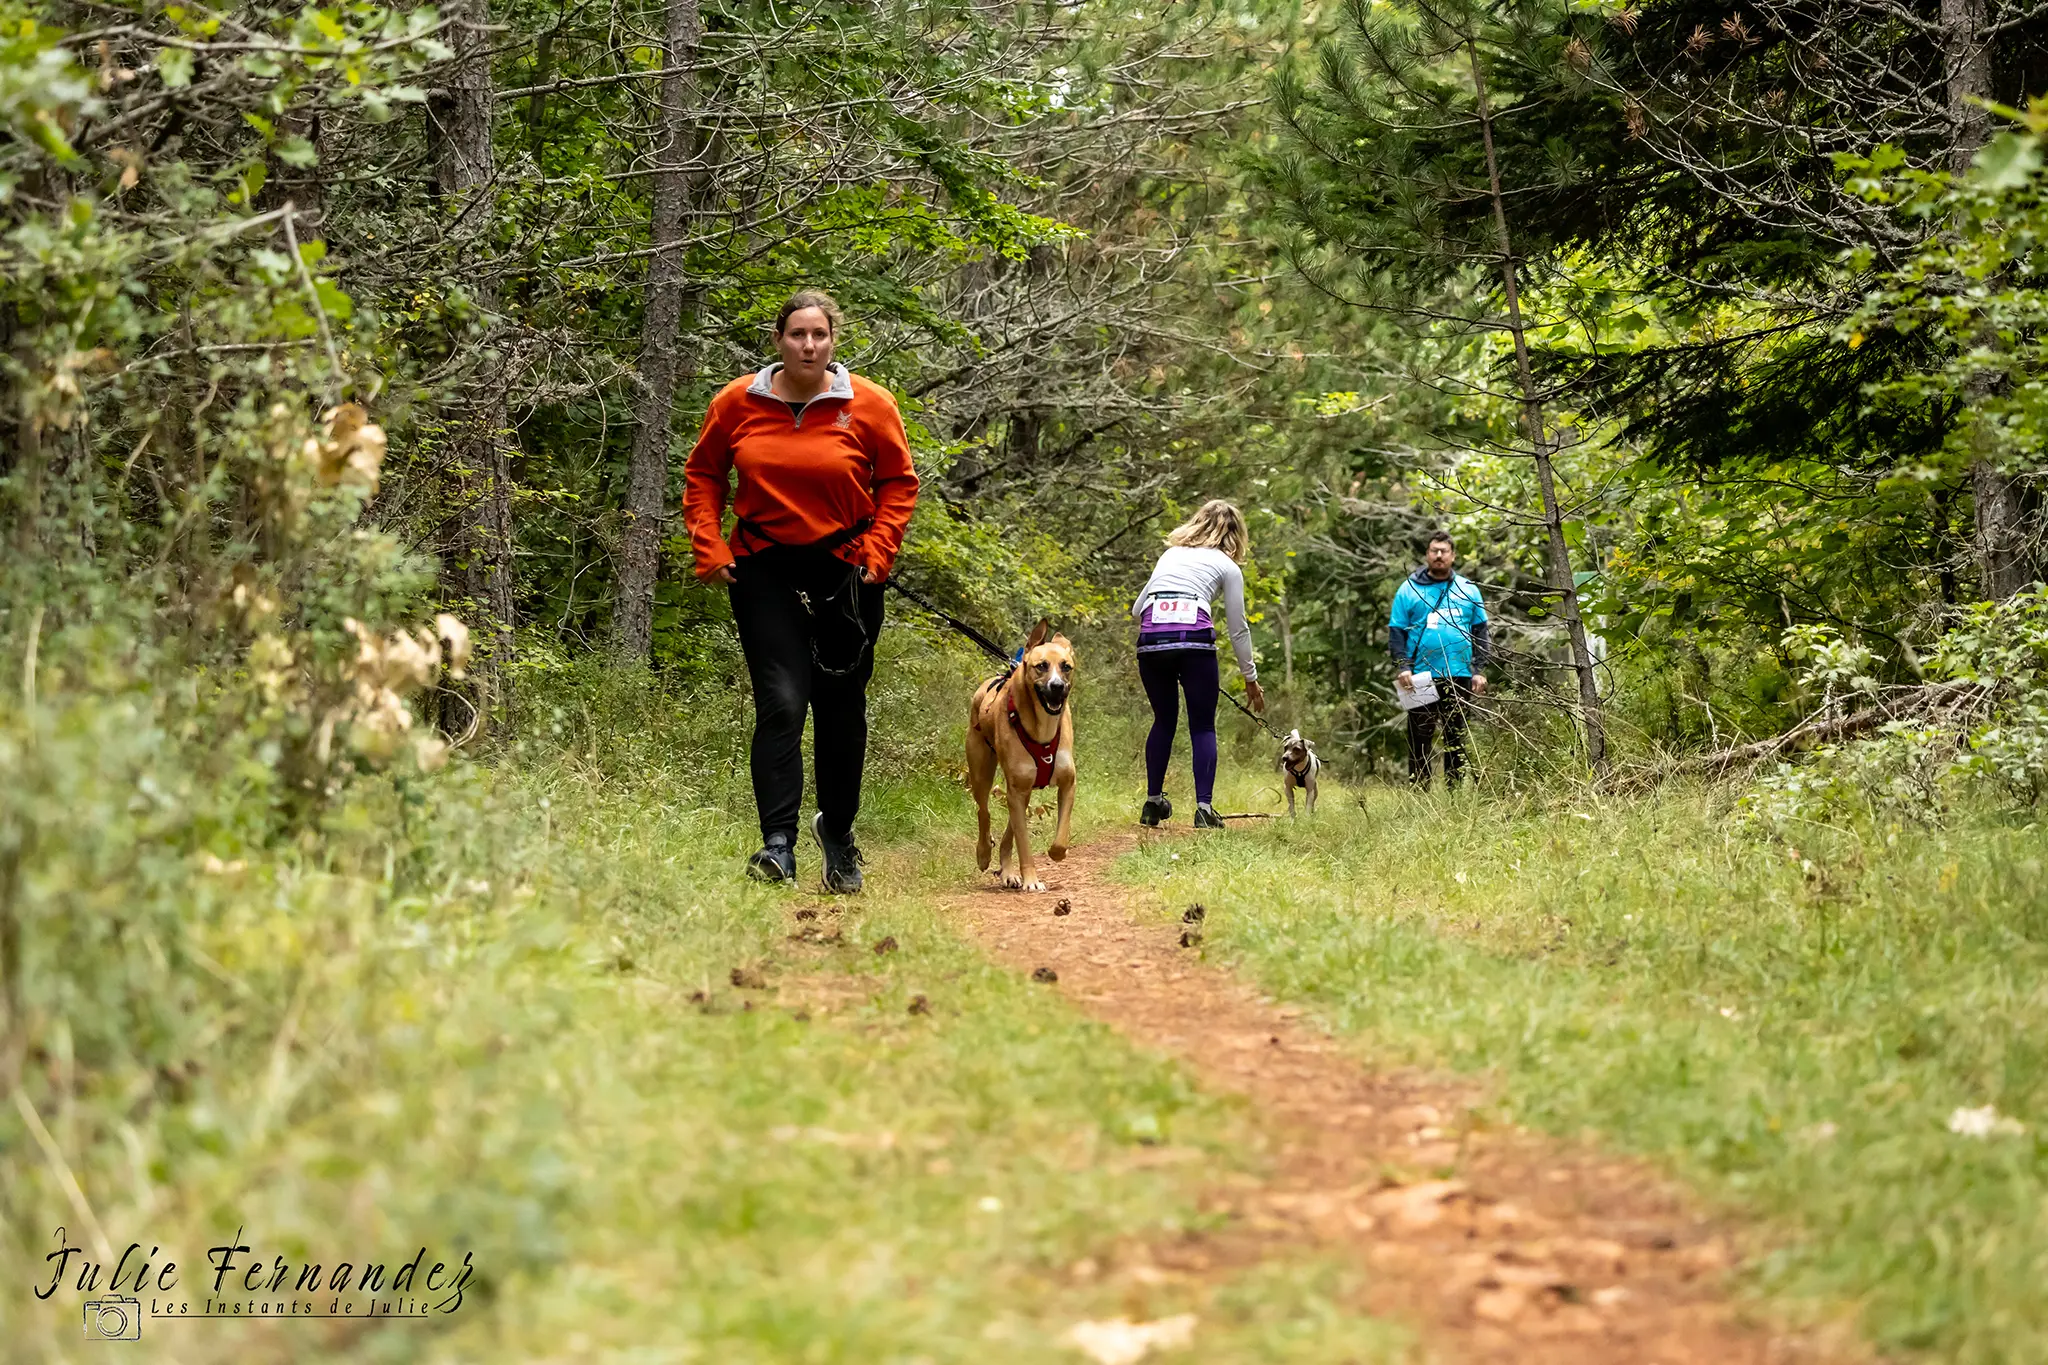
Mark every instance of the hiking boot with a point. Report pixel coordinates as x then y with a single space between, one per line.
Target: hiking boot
842 859
1206 817
1157 810
776 862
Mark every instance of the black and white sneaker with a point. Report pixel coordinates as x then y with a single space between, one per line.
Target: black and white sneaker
1157 810
775 862
842 859
1206 817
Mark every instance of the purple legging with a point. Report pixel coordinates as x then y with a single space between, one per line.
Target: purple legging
1166 674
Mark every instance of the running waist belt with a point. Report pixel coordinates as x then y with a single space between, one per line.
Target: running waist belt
1176 639
839 636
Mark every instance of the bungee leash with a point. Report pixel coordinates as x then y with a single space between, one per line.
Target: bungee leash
1255 717
994 650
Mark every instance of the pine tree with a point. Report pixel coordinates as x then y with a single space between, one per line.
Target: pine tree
1737 121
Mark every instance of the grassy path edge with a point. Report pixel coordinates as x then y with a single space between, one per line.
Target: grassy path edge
1498 1244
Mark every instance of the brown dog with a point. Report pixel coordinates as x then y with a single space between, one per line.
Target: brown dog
1019 723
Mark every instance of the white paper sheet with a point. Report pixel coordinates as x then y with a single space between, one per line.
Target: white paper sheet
1421 694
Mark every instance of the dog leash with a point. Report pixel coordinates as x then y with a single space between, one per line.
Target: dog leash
995 650
1256 719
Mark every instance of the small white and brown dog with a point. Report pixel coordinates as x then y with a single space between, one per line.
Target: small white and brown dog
1298 767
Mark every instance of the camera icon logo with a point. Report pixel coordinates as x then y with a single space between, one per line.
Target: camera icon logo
113 1320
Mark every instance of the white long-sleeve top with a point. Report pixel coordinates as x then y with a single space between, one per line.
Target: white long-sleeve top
1204 574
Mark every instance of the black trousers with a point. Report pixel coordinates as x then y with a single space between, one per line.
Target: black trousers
777 635
1446 713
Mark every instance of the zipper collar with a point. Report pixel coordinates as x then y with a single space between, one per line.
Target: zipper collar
840 385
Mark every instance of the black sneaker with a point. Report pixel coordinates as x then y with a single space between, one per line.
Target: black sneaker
776 862
1206 817
842 859
1156 811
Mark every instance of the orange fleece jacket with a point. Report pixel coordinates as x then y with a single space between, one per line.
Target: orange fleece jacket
846 461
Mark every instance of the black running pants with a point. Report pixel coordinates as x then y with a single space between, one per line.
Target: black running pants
1446 713
777 634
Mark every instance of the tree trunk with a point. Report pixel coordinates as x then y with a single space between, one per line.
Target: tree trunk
543 67
661 345
1968 60
478 553
1560 563
2000 544
2003 564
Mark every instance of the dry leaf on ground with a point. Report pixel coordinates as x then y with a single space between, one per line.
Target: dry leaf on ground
1417 1206
1119 1341
1985 1122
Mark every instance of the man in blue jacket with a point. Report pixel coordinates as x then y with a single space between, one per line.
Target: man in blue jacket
1438 626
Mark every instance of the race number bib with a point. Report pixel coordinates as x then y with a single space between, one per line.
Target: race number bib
1174 611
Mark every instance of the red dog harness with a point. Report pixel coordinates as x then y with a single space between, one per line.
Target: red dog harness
1041 751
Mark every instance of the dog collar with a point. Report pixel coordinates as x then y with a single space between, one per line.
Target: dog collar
1041 750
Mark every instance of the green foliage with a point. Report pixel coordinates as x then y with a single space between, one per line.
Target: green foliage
2003 648
1389 168
214 650
1988 733
1971 295
1891 779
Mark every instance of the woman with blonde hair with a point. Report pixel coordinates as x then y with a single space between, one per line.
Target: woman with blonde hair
1177 648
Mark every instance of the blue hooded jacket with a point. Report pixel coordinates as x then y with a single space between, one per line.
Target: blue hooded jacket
1438 628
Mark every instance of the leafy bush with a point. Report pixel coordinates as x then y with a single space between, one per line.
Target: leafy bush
143 762
1982 726
1896 775
217 656
2013 753
2003 648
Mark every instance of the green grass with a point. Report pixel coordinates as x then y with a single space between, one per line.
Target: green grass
464 1020
1789 1031
461 1015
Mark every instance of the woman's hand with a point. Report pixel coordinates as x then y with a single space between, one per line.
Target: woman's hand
868 575
723 574
1257 695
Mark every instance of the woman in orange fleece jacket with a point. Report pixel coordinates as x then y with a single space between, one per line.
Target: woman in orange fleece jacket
825 494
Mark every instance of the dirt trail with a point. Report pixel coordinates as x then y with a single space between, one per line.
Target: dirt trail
1495 1245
